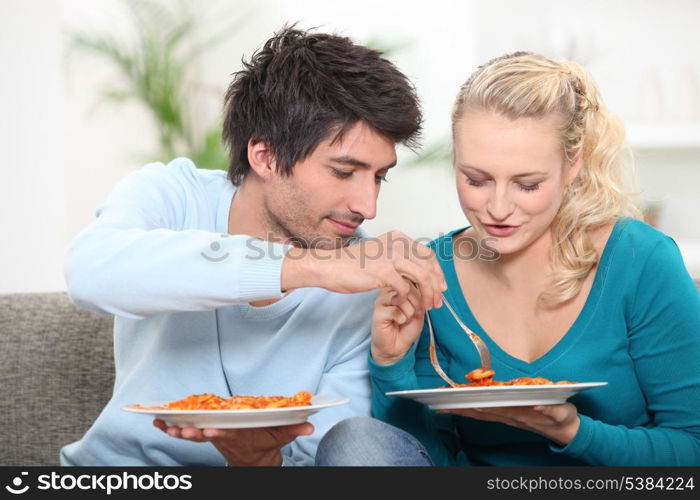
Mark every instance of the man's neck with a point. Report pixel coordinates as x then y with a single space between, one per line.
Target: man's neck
246 214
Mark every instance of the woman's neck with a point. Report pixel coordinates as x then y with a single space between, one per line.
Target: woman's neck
531 265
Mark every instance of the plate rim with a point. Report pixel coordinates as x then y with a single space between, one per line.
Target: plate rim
335 401
498 388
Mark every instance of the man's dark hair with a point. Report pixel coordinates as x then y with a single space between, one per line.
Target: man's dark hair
301 87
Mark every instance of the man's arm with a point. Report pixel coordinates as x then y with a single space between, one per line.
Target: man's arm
391 260
141 257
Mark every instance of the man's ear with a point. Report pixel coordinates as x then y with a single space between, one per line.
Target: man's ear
261 159
574 169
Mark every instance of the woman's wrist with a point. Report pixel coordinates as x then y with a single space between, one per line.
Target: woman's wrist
567 433
383 359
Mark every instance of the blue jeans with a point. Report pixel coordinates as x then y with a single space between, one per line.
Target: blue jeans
368 441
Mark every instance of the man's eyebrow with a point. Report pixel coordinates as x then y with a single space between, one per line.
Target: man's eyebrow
354 162
524 174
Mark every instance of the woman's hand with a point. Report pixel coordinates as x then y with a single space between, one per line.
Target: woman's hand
395 327
558 423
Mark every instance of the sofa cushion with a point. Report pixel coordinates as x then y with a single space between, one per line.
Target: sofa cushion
56 375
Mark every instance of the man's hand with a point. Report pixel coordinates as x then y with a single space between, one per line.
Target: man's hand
392 260
243 447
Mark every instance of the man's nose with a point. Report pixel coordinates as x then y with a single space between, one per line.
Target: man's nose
363 200
499 205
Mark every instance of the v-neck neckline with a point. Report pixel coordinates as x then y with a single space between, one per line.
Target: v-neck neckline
578 327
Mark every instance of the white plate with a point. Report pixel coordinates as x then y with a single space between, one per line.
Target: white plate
238 419
501 395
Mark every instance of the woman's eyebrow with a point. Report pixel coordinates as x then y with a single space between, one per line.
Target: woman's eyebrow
524 174
528 174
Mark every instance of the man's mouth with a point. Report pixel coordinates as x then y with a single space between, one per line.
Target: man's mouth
344 227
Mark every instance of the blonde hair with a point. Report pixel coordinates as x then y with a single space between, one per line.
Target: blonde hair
527 85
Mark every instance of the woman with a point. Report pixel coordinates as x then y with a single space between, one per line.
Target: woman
572 287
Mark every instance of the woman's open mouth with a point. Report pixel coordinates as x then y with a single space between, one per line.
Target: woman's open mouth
500 230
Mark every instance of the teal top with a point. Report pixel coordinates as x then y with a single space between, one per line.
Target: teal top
639 330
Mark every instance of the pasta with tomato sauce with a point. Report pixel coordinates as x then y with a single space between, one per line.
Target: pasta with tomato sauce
214 402
484 378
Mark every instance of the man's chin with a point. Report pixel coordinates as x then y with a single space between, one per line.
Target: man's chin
331 242
322 241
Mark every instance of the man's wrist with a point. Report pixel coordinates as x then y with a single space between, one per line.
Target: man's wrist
268 460
300 269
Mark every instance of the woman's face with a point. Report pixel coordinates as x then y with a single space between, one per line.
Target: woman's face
511 177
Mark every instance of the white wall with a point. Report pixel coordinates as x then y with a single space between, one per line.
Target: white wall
33 176
62 154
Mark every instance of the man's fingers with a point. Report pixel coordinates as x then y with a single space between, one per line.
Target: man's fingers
160 424
287 433
426 255
427 283
188 433
192 434
266 437
220 433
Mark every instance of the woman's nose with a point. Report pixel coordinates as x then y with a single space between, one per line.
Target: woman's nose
499 206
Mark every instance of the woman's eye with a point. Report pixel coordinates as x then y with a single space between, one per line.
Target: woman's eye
342 174
474 183
530 187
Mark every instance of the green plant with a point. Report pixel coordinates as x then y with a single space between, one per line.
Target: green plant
157 70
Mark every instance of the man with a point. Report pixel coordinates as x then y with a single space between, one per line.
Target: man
249 284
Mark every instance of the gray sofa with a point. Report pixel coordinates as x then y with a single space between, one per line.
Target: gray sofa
56 375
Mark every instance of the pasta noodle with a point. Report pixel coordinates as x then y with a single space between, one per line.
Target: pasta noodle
483 378
214 402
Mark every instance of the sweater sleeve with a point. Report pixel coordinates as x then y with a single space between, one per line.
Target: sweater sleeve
139 258
664 343
435 431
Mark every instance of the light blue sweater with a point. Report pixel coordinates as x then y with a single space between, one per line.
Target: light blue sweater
639 330
158 256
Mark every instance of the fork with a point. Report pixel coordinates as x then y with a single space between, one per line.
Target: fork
484 354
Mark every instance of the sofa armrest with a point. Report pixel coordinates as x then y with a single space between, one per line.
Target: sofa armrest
56 375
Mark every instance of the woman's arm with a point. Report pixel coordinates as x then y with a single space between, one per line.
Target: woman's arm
407 370
664 343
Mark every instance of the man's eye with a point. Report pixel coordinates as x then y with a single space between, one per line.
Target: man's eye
341 174
381 178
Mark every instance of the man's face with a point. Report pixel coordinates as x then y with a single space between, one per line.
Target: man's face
332 191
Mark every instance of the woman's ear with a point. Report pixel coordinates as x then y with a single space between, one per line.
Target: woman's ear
573 170
261 159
